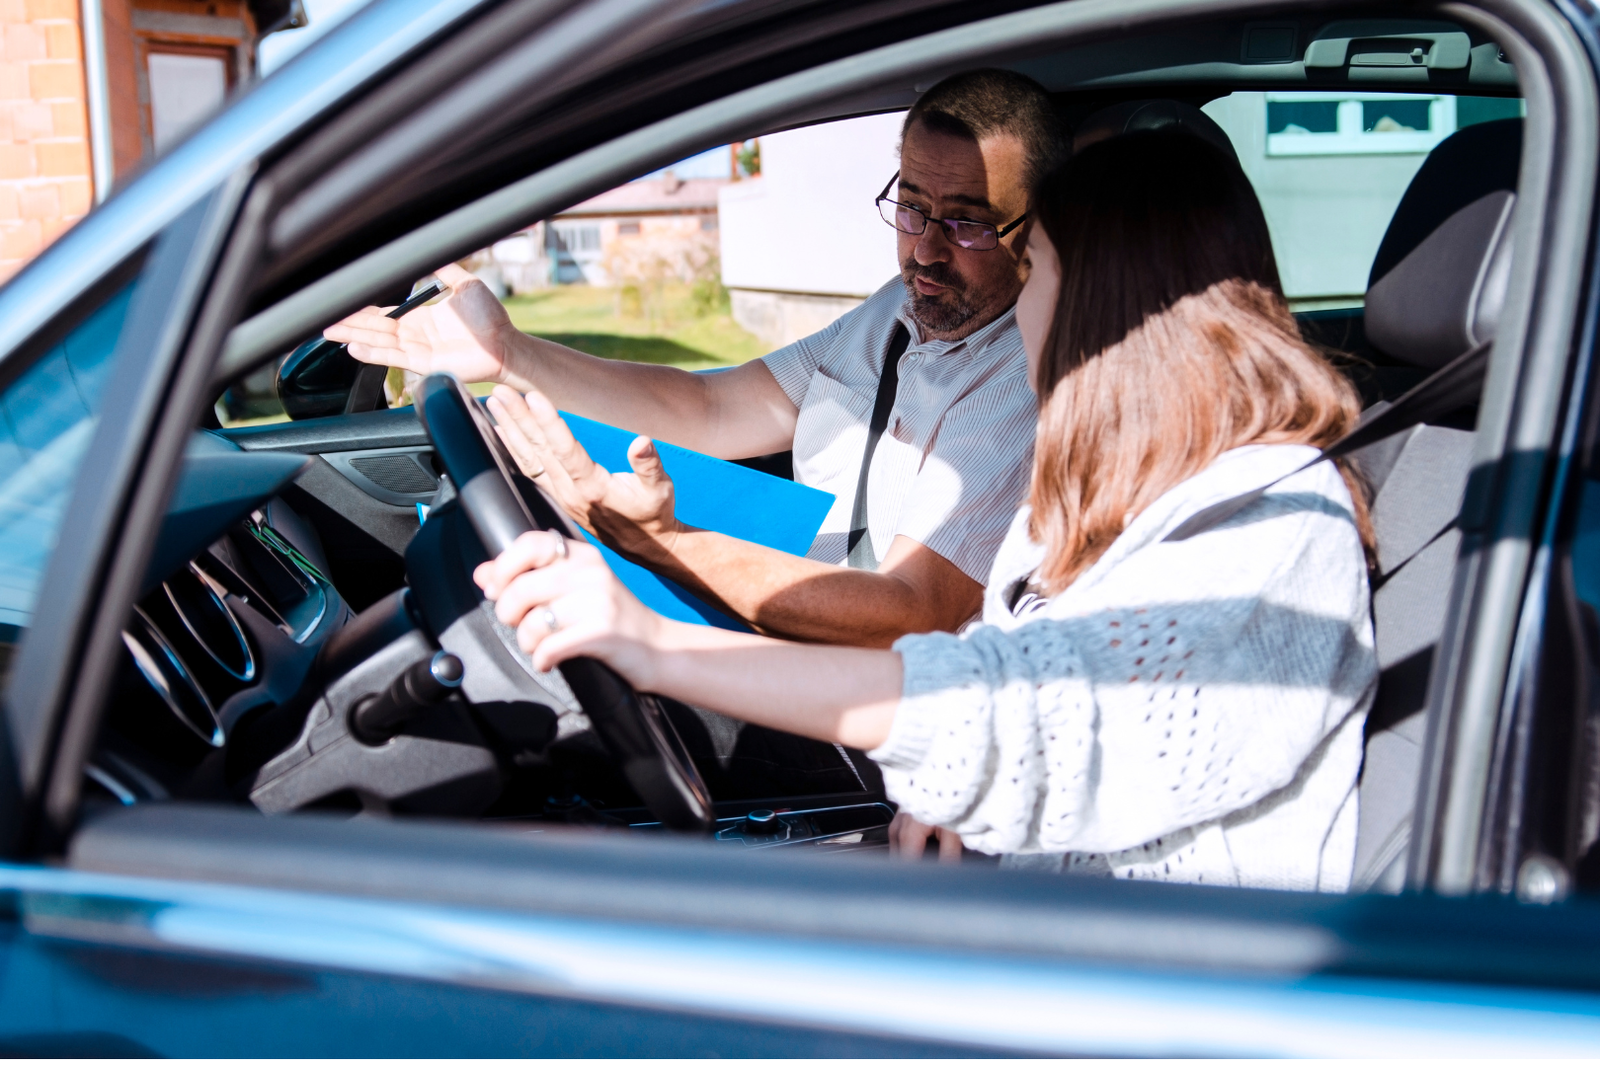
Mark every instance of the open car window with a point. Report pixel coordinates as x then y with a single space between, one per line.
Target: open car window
322 572
1330 168
706 264
695 271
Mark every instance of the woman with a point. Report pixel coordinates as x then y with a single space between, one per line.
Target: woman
1183 708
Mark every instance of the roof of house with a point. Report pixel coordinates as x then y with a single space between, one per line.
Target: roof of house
666 195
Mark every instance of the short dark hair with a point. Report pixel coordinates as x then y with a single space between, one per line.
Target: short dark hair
982 103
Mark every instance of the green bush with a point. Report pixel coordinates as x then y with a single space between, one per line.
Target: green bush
630 302
709 297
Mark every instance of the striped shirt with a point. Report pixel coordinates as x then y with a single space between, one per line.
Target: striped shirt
953 463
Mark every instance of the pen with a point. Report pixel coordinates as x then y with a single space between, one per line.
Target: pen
417 301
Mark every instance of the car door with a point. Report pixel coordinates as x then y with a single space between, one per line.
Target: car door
182 930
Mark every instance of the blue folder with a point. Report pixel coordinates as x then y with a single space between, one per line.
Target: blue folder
711 494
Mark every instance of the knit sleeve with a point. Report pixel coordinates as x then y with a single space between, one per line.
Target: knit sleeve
1216 668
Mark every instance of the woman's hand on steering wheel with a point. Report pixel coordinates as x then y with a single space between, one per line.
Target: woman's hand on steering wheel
564 602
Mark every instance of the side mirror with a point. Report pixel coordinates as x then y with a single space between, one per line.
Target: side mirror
322 378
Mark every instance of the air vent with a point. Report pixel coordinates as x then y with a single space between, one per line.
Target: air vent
300 592
166 675
257 566
198 601
397 473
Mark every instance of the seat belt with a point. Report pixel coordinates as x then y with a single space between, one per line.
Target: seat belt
1450 388
860 555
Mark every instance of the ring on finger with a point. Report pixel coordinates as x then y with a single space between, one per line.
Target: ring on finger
561 544
548 619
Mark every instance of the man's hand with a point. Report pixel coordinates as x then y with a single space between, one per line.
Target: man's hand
915 590
908 838
631 512
469 334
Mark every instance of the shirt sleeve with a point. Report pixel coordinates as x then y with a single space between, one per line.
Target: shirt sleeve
1240 650
975 476
794 364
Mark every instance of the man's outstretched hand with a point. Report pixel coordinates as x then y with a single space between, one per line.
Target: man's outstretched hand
633 513
468 334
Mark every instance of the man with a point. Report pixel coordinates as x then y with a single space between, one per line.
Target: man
953 460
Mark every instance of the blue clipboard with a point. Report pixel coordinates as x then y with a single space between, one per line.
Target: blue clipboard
711 494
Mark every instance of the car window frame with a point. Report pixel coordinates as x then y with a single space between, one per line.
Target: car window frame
1495 569
62 669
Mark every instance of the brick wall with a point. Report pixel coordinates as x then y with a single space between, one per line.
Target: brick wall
44 146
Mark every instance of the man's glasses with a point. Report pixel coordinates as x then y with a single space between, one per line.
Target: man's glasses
962 232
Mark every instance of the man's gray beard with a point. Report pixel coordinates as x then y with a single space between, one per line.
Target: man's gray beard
936 317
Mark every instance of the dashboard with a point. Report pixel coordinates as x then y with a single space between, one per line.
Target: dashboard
242 667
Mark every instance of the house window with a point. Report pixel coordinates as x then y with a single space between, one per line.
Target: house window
1302 116
1329 167
1348 123
627 229
708 222
1471 110
1396 116
186 88
565 237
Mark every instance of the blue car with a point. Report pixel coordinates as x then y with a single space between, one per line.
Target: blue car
274 782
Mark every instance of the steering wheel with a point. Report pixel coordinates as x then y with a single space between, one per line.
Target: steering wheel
631 725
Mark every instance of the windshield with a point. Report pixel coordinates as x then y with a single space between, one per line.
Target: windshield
47 417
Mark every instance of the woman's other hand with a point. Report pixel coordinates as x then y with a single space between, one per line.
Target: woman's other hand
564 602
908 838
468 334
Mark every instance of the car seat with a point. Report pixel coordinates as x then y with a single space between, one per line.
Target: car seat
1436 289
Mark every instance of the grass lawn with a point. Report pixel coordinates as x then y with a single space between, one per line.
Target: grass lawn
666 329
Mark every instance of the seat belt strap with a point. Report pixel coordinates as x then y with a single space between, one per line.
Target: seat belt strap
861 555
1450 388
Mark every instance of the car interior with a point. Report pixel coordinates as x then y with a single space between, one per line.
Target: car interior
303 642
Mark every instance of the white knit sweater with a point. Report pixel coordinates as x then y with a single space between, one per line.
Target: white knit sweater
1184 711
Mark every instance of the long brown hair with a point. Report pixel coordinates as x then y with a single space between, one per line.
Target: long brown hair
1171 344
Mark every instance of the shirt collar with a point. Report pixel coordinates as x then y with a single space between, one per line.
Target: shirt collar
975 342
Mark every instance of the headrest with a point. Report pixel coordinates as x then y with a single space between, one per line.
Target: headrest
1462 169
1132 115
1444 298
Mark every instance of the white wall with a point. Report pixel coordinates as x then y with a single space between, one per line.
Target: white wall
808 224
1327 213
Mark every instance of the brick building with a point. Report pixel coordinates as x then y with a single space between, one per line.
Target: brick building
78 110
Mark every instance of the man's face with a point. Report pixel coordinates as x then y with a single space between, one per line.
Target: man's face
957 291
